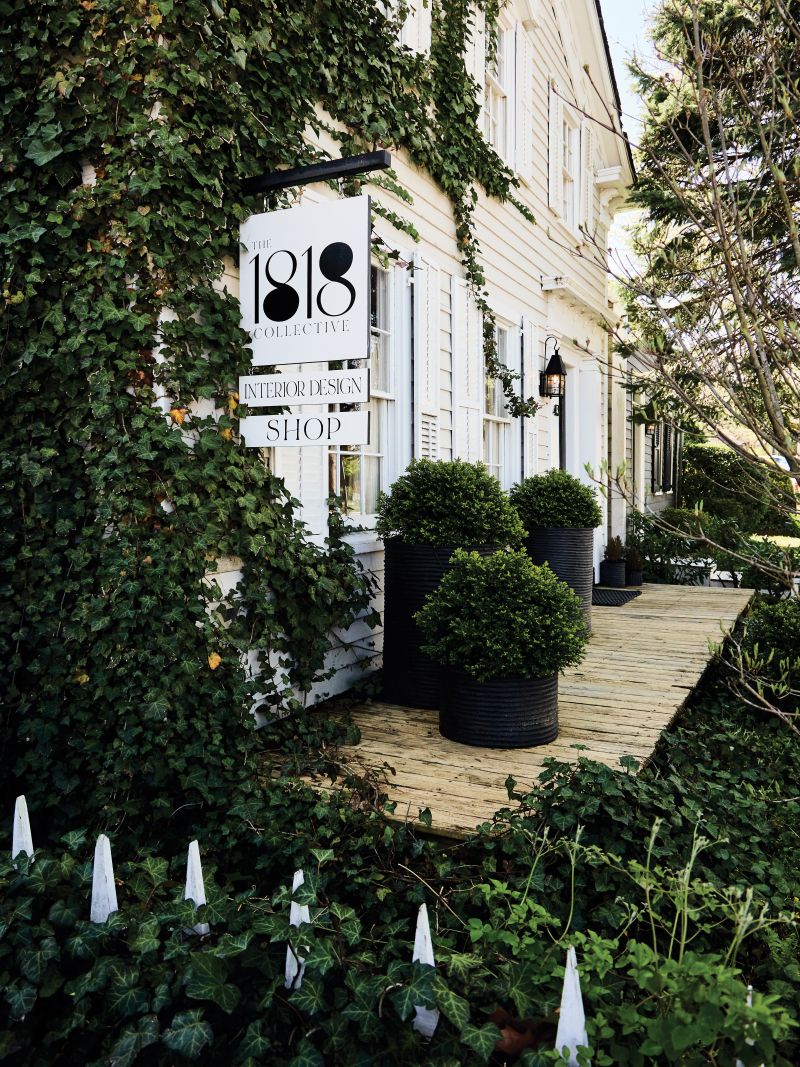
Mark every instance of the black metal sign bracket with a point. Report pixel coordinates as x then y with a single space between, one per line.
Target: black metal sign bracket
317 172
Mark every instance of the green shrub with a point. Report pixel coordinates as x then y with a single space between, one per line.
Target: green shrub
772 636
728 487
614 550
501 615
448 503
555 499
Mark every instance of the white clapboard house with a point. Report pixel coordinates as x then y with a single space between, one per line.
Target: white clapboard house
550 109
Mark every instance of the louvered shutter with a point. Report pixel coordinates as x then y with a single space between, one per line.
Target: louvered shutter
475 58
305 472
555 147
417 27
530 378
524 105
468 373
587 175
426 359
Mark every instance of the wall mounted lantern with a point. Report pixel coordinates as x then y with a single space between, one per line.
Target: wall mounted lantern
553 381
650 429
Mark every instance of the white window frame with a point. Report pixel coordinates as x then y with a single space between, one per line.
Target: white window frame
498 89
384 327
570 169
496 423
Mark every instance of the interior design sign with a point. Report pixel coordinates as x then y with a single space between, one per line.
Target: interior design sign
304 282
334 428
324 387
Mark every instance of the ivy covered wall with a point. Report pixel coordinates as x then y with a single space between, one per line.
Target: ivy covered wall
121 667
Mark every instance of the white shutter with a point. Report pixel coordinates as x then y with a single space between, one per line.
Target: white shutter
426 359
587 176
524 104
530 380
305 472
417 27
475 58
468 373
555 143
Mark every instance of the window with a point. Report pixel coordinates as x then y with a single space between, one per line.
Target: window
570 169
496 96
356 472
662 471
496 421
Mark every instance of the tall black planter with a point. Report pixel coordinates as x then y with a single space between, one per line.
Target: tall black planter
411 573
508 712
570 553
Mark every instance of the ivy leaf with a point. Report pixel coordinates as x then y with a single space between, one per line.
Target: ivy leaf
125 995
454 1007
133 1039
310 997
206 981
146 938
307 1056
188 1034
42 153
481 1039
254 1044
21 999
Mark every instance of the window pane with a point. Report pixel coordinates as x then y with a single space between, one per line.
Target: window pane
350 482
371 466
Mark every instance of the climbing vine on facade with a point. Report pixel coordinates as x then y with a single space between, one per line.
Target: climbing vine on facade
127 130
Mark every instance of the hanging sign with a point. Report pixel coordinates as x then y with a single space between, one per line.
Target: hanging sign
305 282
324 387
334 428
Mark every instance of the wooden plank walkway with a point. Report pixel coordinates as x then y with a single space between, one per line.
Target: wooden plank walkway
643 661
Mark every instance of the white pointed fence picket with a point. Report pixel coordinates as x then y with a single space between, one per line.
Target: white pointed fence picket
571 1021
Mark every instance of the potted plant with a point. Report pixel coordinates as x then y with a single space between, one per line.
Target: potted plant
503 628
612 566
560 514
634 565
432 509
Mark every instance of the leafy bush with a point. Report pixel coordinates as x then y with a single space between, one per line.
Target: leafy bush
614 550
772 636
672 546
448 503
501 615
727 487
556 499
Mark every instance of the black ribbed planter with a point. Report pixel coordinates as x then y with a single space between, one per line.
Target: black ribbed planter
570 553
612 573
411 573
633 577
508 712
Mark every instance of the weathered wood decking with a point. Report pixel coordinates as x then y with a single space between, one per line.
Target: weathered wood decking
643 661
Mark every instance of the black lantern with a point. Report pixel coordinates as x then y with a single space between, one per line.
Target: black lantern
553 382
650 429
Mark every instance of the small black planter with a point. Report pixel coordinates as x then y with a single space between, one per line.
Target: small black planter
508 712
411 573
633 577
570 553
612 573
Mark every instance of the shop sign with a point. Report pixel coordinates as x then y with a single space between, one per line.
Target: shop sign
304 277
329 428
324 387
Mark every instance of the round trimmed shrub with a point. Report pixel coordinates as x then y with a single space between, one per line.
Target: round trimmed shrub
442 503
501 615
556 499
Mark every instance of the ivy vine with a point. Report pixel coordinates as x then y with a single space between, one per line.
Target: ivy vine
123 482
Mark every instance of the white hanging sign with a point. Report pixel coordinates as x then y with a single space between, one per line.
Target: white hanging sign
335 428
305 282
325 387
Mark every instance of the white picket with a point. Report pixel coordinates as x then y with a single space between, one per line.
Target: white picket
571 1019
195 889
748 1040
104 892
21 839
298 914
425 1019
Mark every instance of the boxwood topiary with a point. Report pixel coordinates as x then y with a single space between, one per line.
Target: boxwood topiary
556 499
501 615
448 503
